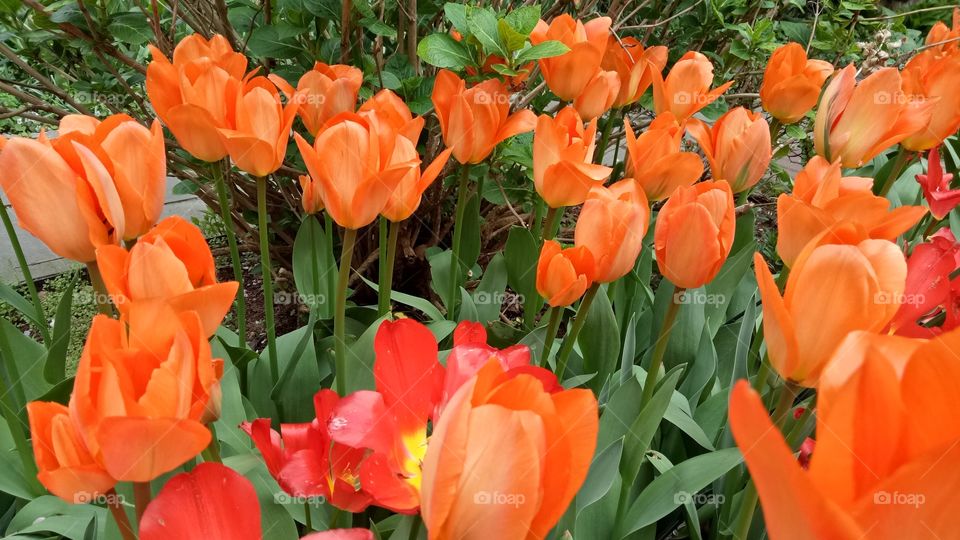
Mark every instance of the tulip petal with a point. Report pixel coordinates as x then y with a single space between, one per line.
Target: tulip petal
341 534
212 303
141 449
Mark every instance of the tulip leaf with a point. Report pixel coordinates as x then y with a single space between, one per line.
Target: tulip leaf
23 306
421 304
668 490
443 51
599 338
362 356
662 465
524 19
25 358
314 267
546 49
467 310
604 470
482 23
488 296
645 426
54 366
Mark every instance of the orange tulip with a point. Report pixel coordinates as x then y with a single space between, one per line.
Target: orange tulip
567 75
475 120
599 94
934 78
823 198
635 66
686 89
737 147
694 233
611 225
65 466
792 83
311 194
563 168
508 455
840 283
389 108
145 386
563 275
359 162
323 92
173 264
943 38
194 95
855 122
258 141
655 161
405 197
884 463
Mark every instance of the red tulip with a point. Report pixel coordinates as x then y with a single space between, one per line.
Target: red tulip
936 187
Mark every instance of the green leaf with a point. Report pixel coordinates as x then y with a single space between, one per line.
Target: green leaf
54 366
504 70
510 38
467 311
521 252
547 49
457 15
360 359
524 19
443 51
378 27
599 338
131 28
488 296
667 491
421 304
645 426
314 267
274 41
604 470
10 295
482 23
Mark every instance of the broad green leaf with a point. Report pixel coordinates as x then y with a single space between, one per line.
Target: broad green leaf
274 41
546 49
457 15
488 296
645 426
131 28
599 339
524 19
54 367
378 27
604 471
521 253
421 304
9 295
314 268
482 23
443 51
510 38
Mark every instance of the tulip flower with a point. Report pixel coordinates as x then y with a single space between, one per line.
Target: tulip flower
406 196
563 275
929 292
311 194
883 463
942 38
474 120
841 282
323 92
933 78
173 264
694 233
389 108
569 74
823 198
144 388
655 161
686 89
792 83
635 66
611 225
257 143
563 168
341 534
193 94
737 147
598 95
66 467
358 162
846 126
211 501
304 460
508 455
936 187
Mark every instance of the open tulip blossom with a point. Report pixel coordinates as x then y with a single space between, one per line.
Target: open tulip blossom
488 270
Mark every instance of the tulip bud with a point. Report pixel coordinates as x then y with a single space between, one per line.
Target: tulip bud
686 89
563 168
792 83
611 226
569 74
737 147
563 275
654 159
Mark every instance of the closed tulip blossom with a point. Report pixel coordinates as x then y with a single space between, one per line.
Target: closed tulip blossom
144 389
841 282
257 143
193 95
358 163
563 275
694 233
942 38
686 88
611 225
311 194
563 168
934 78
737 147
635 66
822 198
390 108
884 466
323 92
171 264
569 74
846 126
792 83
936 187
598 95
931 298
474 120
507 433
654 159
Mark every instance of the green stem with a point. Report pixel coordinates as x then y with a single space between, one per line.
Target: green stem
901 160
775 126
578 321
457 235
748 504
141 497
553 325
212 451
660 348
99 289
307 518
268 315
340 314
386 265
120 516
227 216
27 276
551 222
415 527
605 136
